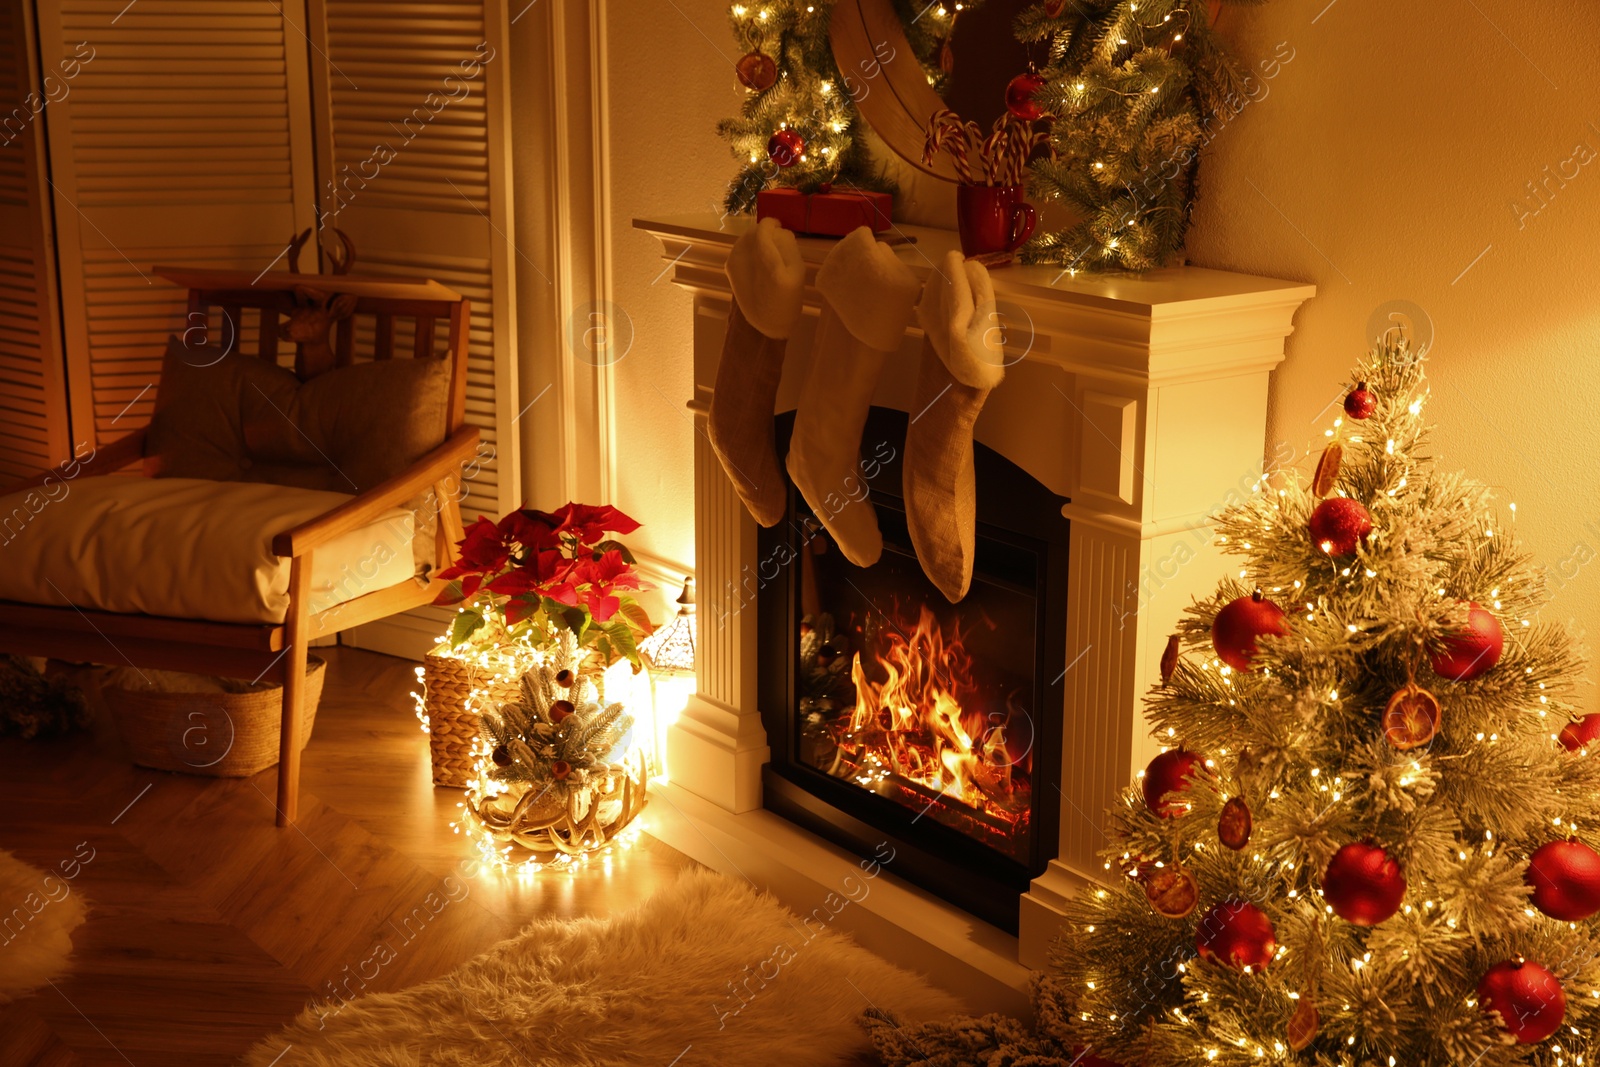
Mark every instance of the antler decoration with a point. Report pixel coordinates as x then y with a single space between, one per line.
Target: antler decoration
315 310
345 259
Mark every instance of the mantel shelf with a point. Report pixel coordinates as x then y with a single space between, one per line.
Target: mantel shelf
1155 293
1169 325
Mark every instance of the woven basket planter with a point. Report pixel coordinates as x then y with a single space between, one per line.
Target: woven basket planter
452 724
222 735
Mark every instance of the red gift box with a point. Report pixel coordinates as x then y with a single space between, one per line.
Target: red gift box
828 213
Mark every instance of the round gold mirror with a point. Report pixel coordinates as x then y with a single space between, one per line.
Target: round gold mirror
980 56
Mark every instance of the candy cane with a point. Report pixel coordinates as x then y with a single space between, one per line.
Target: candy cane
958 142
992 152
1021 144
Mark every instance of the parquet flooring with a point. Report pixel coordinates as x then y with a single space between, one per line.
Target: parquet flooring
209 927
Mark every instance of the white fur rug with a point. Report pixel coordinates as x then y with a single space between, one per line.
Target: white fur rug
705 972
38 912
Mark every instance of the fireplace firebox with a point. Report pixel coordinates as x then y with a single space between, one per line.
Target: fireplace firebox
895 716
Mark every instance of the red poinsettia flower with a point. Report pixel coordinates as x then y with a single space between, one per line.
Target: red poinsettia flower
586 522
601 576
525 528
533 575
532 558
482 550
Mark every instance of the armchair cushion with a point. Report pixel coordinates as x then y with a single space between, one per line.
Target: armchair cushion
229 417
187 548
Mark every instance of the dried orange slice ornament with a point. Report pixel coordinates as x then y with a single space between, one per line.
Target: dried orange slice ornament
1303 1025
1235 823
1412 717
1327 469
1171 891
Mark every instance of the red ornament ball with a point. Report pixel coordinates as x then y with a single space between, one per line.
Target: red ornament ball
560 710
1529 999
1581 734
501 757
560 769
1472 651
1019 96
1237 933
1239 623
1565 876
1364 884
1171 772
756 71
1338 524
785 148
1359 403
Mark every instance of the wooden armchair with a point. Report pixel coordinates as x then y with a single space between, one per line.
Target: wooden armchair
252 311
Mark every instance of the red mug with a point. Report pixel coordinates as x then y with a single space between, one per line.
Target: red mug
993 218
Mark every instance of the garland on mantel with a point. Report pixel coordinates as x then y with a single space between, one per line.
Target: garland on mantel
1134 90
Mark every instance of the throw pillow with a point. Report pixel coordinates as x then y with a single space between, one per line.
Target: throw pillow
229 417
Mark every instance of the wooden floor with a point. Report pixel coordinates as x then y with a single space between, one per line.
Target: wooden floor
209 927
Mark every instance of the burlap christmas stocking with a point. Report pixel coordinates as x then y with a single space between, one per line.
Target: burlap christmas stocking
868 295
768 281
961 361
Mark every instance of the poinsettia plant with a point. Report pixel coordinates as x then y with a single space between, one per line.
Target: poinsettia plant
535 574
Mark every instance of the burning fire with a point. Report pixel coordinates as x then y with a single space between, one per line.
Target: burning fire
925 724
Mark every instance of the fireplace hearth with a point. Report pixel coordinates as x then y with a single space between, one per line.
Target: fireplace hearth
895 716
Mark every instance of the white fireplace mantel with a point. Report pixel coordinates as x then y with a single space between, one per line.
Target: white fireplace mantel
1142 398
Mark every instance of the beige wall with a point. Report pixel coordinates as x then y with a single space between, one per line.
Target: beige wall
671 79
1384 157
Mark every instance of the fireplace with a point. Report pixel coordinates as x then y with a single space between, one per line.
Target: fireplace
1143 398
894 715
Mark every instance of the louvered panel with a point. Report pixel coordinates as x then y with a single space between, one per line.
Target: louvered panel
130 319
33 409
13 169
186 141
414 99
182 106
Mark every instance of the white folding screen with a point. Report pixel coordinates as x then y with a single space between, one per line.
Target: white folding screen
186 139
411 117
33 390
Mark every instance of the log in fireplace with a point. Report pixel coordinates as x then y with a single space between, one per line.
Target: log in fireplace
894 714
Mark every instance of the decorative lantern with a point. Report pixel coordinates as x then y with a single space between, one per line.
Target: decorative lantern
671 649
670 655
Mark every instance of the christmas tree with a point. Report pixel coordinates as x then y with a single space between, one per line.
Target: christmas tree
1136 89
1369 842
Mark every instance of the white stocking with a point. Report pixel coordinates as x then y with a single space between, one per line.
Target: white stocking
961 362
868 296
768 280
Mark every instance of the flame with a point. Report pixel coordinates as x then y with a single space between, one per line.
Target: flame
925 720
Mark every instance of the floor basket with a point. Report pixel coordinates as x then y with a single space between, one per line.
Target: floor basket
452 725
221 734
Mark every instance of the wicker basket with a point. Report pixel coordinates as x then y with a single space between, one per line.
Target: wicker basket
223 735
452 726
